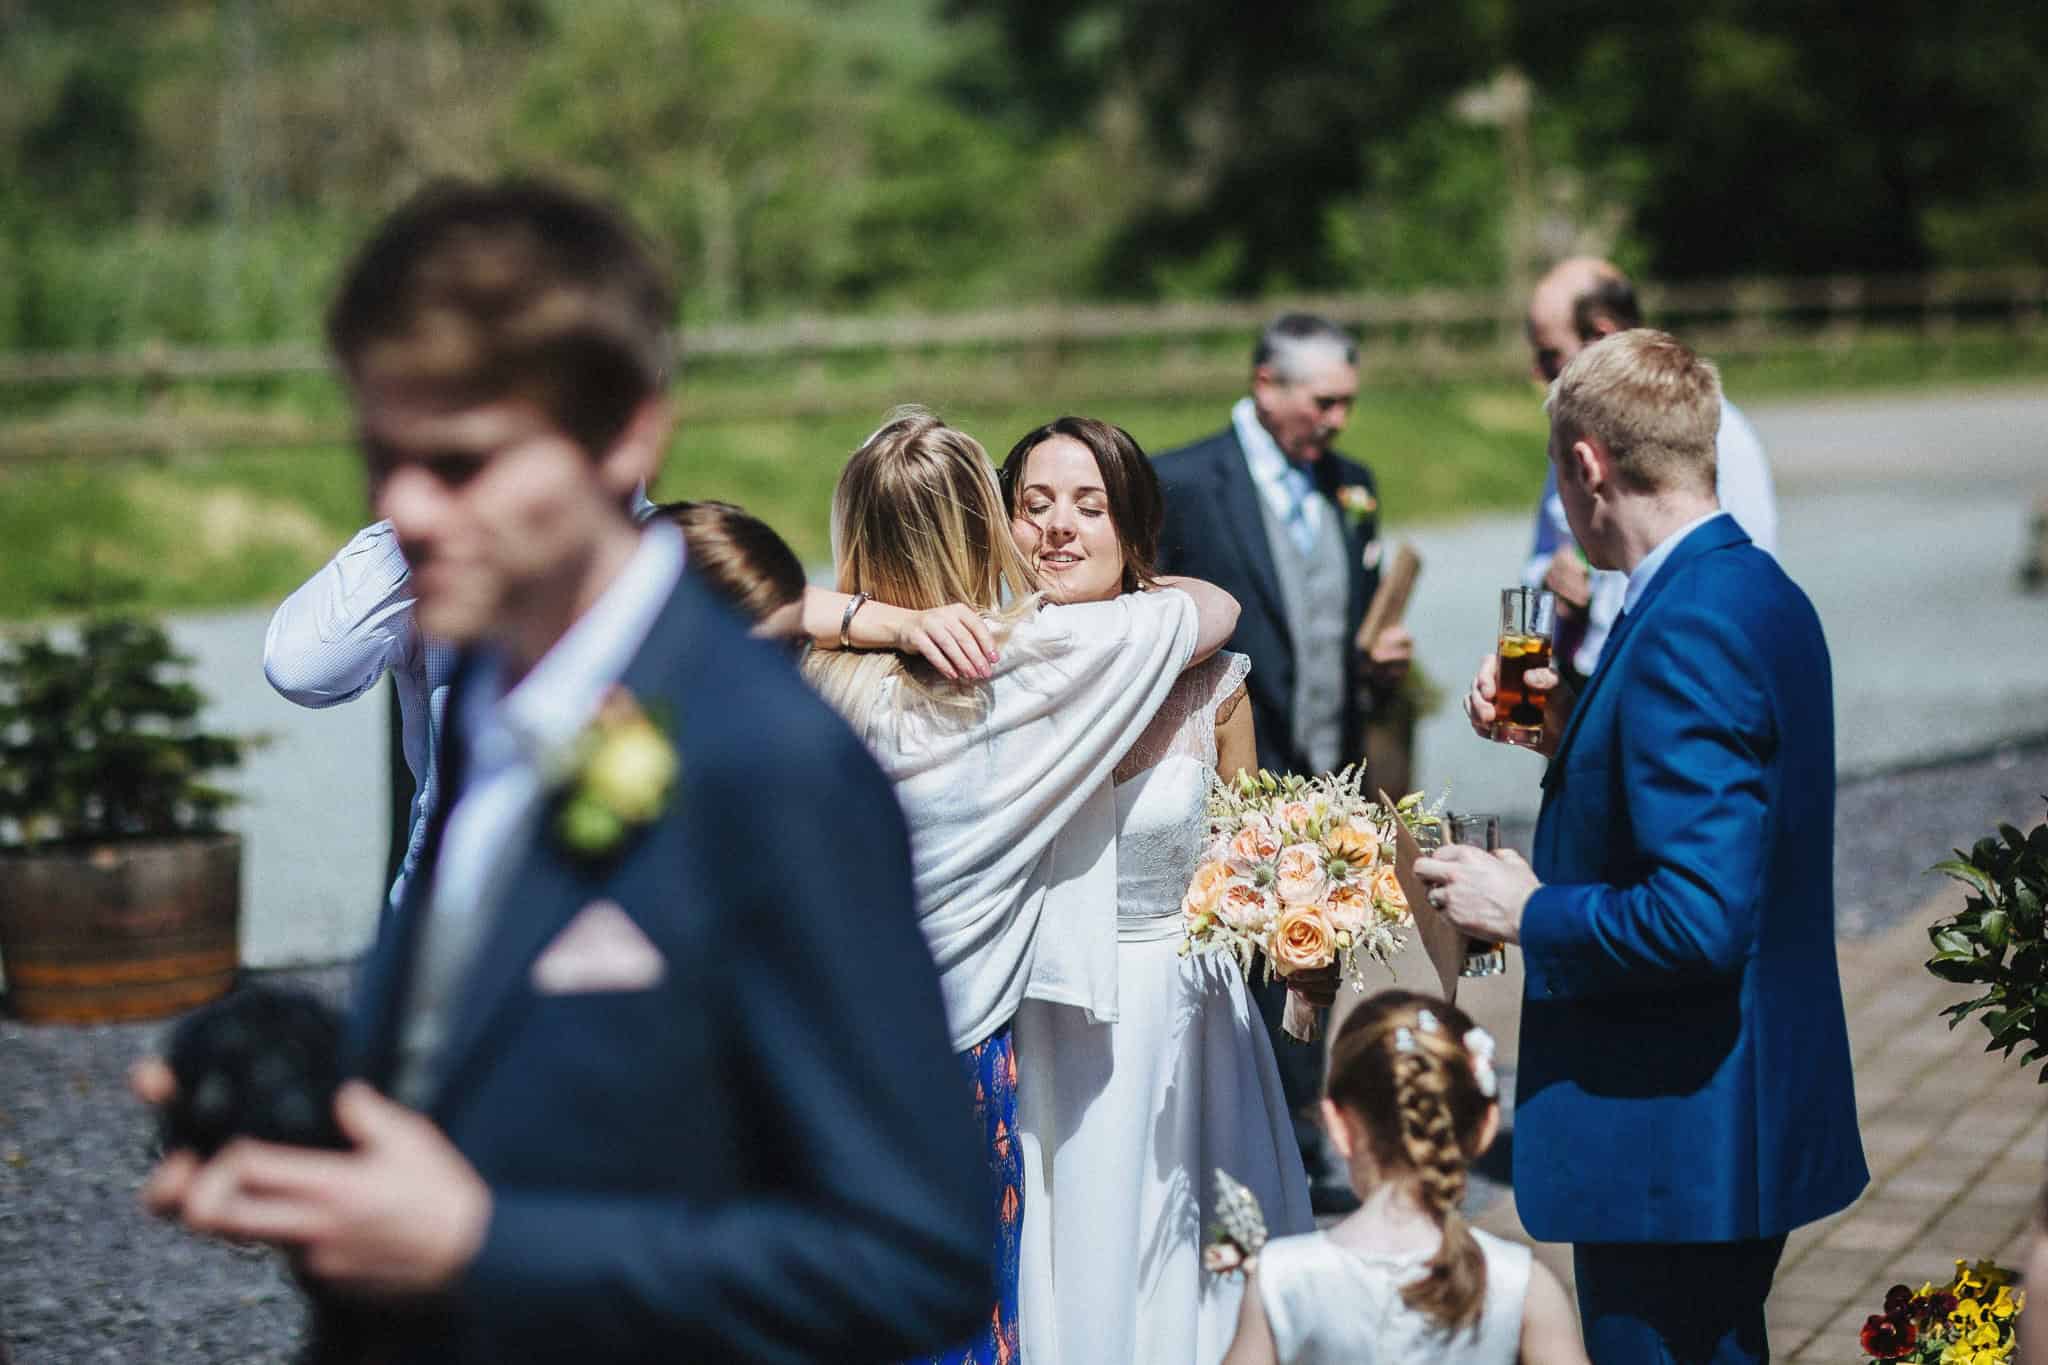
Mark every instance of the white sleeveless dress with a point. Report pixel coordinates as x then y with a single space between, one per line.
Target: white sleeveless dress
1124 1123
1331 1305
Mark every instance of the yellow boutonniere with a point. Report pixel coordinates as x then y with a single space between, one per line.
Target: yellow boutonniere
1356 502
619 778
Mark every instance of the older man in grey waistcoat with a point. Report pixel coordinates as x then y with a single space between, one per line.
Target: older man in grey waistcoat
1266 510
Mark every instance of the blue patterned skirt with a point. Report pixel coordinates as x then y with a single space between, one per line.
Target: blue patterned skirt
992 1068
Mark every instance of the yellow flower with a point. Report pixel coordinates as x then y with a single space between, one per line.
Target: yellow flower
623 769
1968 1313
630 771
2004 1306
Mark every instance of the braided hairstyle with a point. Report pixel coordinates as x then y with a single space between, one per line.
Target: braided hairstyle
1414 1090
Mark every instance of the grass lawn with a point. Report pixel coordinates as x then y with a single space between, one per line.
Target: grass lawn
246 526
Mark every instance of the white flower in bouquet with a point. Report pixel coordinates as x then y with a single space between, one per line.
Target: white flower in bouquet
1239 1233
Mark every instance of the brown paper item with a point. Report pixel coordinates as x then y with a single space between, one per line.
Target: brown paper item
1390 601
1443 941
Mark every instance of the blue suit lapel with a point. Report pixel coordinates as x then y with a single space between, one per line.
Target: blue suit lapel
1716 534
1240 501
548 889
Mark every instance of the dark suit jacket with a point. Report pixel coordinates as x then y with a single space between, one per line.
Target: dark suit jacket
1684 1070
1214 531
770 1155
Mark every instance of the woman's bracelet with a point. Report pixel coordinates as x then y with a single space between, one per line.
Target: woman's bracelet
858 600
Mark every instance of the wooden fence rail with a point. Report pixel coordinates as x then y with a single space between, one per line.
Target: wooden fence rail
1020 354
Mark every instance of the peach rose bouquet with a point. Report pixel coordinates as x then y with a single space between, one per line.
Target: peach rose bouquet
1299 874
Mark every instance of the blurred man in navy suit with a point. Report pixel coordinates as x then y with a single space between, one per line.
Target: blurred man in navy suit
1683 1096
650 1059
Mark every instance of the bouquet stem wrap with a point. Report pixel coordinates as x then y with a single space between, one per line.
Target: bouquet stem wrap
1301 1019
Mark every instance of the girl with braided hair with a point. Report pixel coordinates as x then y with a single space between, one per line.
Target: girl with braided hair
1410 1103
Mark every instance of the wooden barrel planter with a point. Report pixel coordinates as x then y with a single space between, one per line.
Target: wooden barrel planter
132 930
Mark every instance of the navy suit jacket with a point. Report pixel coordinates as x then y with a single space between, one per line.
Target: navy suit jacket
1684 1070
770 1155
1214 531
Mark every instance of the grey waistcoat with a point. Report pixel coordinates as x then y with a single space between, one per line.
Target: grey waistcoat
1315 589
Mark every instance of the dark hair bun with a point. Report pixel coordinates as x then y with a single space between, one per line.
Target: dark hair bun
263 1063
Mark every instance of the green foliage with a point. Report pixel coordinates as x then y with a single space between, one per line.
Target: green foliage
98 742
1999 940
1888 125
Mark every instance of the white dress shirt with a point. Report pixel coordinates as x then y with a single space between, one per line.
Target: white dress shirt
1742 482
510 739
1638 579
342 630
1286 487
352 622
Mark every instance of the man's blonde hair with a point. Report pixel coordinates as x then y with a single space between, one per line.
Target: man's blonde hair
918 522
1650 401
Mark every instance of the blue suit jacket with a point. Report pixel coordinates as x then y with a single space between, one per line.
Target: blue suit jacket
1684 1070
1214 531
770 1155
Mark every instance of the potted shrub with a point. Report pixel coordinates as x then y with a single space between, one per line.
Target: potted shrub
120 897
1999 940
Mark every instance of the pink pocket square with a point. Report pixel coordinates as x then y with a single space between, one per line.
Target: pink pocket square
600 950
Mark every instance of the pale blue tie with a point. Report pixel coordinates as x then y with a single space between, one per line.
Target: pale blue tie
1300 489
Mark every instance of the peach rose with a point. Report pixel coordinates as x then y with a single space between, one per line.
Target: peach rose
1388 895
1205 894
1349 907
1245 907
1299 875
1357 845
1303 940
1295 815
1254 843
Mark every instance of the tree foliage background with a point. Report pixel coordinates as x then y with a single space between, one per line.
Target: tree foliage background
193 170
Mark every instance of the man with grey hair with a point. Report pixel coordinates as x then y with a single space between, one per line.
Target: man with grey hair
1578 302
1267 511
1683 1096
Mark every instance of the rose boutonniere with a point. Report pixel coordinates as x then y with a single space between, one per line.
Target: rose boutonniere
617 780
1357 503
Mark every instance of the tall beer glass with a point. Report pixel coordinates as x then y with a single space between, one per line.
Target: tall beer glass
1483 957
1528 620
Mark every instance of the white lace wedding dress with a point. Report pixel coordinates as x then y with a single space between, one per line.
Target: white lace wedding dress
1332 1305
1123 1124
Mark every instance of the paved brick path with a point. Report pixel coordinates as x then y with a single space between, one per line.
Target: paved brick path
1957 1140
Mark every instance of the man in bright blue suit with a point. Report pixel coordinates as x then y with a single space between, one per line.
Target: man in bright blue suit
650 1061
1683 1093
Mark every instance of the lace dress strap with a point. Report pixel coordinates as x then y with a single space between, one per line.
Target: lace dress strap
1185 725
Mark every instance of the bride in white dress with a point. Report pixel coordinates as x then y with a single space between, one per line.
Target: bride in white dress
1122 1123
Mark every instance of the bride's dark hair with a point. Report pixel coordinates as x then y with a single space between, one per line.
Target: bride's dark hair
1411 1084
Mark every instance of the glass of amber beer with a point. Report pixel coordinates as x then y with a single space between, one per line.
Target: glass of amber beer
1483 957
1528 617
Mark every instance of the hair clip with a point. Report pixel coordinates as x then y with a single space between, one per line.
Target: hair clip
1404 1039
1426 1021
1479 1046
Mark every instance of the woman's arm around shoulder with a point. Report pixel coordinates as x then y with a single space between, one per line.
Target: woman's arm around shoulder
1215 614
1253 1344
1550 1329
954 639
